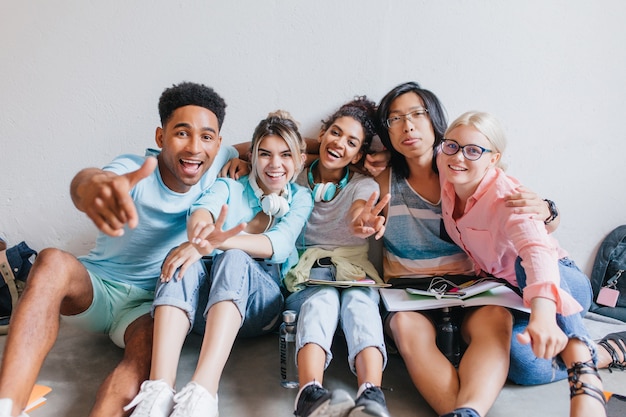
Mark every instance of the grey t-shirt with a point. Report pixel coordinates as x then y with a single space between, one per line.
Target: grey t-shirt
328 225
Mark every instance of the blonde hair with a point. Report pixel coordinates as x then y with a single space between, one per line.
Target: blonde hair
488 125
279 123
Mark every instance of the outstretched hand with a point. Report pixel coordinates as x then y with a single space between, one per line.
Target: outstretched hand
107 202
208 236
546 338
204 238
367 220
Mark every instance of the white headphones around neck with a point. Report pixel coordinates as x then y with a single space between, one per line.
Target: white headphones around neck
325 191
272 204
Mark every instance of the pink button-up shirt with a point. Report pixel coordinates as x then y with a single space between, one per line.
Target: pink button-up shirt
493 236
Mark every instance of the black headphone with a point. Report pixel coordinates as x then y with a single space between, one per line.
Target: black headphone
326 191
272 204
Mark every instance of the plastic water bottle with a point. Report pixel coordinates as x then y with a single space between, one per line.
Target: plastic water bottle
287 346
448 338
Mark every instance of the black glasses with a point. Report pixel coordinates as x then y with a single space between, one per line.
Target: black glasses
470 152
397 120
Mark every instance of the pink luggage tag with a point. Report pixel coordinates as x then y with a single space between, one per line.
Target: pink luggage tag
608 294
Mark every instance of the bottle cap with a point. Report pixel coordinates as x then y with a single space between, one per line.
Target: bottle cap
289 316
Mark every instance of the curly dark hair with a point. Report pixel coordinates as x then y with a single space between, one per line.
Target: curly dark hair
363 111
435 113
194 94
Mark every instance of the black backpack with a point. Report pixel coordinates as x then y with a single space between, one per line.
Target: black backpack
15 264
608 277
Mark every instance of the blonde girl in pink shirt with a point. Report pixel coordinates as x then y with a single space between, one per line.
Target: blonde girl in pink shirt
517 247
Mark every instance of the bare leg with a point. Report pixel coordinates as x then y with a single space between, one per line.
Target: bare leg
369 366
122 385
433 375
485 364
57 283
582 405
171 326
311 360
222 325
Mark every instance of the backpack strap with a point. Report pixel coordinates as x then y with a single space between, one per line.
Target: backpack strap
9 278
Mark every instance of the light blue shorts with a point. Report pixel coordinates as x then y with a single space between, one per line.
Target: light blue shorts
114 307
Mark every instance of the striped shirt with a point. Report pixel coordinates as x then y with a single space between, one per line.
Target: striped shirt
415 242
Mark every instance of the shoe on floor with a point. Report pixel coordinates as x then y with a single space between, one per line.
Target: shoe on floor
6 406
371 402
155 399
463 412
194 401
317 401
619 341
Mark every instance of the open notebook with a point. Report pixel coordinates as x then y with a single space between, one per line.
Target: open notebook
484 293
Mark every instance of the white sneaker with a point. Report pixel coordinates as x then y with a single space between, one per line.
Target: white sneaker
155 399
194 401
6 406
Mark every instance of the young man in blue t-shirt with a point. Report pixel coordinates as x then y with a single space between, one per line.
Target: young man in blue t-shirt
141 214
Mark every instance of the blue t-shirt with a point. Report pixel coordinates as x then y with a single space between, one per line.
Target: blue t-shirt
136 257
244 205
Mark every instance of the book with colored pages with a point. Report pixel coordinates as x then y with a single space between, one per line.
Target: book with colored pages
397 299
37 397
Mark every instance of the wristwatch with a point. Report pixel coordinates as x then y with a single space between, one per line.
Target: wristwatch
553 211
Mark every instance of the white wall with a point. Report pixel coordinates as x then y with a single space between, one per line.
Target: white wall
80 80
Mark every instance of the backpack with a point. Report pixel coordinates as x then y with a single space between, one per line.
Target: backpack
15 264
608 277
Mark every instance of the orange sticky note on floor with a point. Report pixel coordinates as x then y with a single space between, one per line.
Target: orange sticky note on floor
37 397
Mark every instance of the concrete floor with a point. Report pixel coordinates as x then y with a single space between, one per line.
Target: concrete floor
79 361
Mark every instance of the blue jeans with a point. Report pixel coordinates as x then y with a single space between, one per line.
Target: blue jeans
321 308
253 286
526 368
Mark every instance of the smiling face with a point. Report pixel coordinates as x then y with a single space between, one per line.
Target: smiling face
464 174
275 165
189 142
412 138
340 144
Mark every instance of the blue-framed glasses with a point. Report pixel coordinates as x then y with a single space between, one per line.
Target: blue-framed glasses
470 152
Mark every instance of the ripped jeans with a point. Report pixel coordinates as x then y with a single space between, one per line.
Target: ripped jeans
526 368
